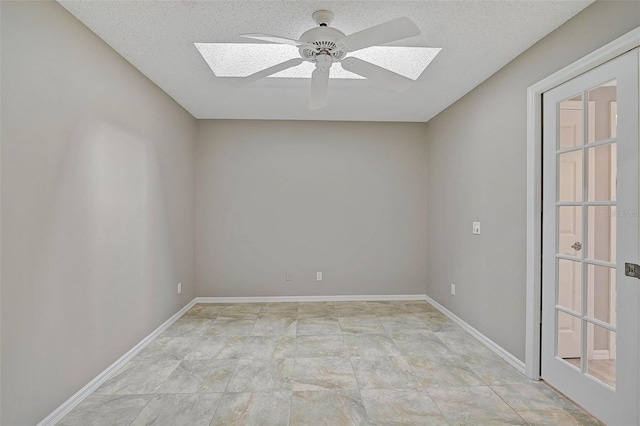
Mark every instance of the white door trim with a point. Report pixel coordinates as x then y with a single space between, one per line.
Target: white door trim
621 45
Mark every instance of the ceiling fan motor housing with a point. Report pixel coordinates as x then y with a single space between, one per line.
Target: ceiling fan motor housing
325 38
325 45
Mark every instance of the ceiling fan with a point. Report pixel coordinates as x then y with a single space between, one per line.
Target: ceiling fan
325 45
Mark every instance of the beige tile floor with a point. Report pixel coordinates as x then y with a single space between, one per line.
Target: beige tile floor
325 363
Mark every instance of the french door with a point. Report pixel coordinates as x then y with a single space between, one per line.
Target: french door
591 185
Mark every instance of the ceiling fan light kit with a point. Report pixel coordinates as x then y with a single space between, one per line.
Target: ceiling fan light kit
325 45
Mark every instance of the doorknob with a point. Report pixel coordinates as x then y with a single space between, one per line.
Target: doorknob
577 246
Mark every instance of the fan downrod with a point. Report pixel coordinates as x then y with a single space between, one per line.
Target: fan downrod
322 17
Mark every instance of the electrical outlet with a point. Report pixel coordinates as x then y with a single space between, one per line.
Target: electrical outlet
179 288
289 276
453 289
318 276
476 228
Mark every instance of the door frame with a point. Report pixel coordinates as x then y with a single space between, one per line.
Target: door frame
533 313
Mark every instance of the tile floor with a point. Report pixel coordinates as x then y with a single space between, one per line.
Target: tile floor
325 363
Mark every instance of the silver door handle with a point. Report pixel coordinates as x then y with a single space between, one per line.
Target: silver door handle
577 246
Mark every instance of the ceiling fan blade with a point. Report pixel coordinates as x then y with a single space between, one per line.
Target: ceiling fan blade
378 75
269 71
396 29
319 89
279 40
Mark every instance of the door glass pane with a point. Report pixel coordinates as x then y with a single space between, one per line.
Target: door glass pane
614 171
601 346
585 222
613 119
602 173
570 284
599 120
601 293
569 338
570 122
570 176
601 228
570 230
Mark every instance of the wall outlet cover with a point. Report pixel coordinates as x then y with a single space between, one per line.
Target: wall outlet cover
476 228
318 276
453 289
179 288
289 276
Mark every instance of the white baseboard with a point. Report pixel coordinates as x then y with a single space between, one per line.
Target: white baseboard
346 298
512 360
599 354
499 350
76 399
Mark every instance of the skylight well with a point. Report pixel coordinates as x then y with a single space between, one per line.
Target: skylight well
243 59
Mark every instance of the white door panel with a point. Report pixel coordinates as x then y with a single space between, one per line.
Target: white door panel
591 188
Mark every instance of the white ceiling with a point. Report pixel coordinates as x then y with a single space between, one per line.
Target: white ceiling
477 39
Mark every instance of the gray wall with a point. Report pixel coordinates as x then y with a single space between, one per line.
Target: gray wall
477 172
98 173
99 202
346 199
0 219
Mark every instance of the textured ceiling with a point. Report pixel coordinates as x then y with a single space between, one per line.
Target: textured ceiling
477 39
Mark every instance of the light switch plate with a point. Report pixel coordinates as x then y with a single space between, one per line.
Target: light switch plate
289 276
318 276
476 228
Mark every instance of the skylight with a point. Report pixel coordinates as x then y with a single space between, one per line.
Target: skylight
243 59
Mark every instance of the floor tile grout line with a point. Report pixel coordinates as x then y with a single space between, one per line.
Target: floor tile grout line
224 392
141 410
437 406
508 405
295 355
290 407
343 337
414 372
364 408
292 382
